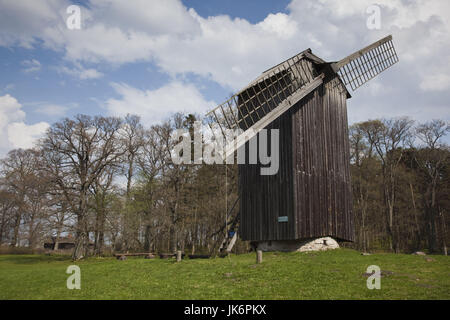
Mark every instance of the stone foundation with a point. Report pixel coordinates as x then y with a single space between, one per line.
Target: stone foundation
319 244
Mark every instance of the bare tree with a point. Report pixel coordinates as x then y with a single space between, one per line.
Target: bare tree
388 137
20 174
78 151
131 136
7 203
101 189
364 169
149 190
431 160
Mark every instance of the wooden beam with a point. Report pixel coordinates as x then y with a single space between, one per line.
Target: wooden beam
232 242
133 254
258 256
271 116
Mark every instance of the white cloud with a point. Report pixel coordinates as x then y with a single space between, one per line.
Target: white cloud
155 105
180 40
80 72
31 65
154 17
24 136
233 51
229 51
416 86
280 25
22 22
10 110
435 82
52 110
14 133
99 43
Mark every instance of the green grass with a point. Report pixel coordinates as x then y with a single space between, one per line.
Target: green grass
336 274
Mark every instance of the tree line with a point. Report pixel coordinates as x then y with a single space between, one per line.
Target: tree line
111 184
401 184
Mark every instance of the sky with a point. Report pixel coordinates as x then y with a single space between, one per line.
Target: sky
153 58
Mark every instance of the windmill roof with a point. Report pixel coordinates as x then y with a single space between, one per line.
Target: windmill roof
306 54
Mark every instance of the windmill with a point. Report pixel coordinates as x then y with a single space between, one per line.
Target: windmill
304 98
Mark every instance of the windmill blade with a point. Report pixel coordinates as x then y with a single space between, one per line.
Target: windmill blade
264 99
365 64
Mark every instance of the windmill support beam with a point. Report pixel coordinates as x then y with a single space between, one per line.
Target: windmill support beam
271 116
232 242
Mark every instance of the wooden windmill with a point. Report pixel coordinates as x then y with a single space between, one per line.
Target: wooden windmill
305 98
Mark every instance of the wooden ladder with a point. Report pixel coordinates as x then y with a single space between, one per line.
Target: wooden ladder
227 242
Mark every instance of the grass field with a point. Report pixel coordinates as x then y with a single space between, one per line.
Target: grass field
337 274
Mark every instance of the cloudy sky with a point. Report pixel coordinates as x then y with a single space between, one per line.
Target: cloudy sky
152 57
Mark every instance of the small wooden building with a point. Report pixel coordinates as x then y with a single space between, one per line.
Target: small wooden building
64 243
311 195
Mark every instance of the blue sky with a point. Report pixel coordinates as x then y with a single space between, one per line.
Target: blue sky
153 58
253 11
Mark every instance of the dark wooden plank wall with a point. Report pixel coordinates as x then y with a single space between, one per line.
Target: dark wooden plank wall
312 186
264 198
322 184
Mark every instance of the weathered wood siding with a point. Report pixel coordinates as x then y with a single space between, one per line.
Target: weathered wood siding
264 198
321 157
312 187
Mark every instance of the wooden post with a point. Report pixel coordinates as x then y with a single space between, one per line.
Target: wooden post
258 256
178 256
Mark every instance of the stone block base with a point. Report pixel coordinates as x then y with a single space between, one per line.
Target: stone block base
318 244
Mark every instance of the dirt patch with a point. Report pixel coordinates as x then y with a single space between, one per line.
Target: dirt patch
383 273
425 285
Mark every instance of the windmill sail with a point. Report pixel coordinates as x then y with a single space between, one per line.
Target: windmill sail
365 64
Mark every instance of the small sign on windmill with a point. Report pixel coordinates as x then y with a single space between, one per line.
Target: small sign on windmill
304 97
